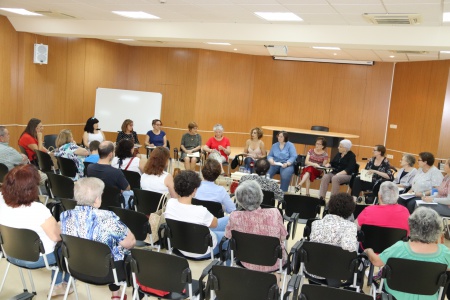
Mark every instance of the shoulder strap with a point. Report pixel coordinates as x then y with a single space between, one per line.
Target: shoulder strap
126 168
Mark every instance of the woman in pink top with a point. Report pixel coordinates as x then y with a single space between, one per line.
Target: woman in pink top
254 148
443 195
317 157
218 146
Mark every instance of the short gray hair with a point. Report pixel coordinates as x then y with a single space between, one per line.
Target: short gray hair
87 190
388 192
425 225
249 195
218 127
410 159
2 130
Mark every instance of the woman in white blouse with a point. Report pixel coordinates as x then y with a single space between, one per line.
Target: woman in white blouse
125 158
155 179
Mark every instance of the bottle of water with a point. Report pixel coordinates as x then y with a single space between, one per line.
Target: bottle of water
268 176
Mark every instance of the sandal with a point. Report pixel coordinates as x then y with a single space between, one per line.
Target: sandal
298 189
118 297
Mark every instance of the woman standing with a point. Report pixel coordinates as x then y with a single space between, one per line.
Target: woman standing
281 158
316 157
127 132
92 132
156 137
191 142
254 148
67 148
32 139
218 146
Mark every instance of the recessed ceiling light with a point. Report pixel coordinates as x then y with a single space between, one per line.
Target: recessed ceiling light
391 56
218 43
446 17
235 49
278 16
445 52
136 14
327 48
125 40
334 53
21 11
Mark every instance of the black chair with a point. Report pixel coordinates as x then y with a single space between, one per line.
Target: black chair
86 164
3 171
268 198
133 178
414 277
137 222
358 209
24 244
67 167
319 292
112 196
299 208
308 228
228 283
173 276
299 164
320 128
215 208
68 204
45 162
146 202
60 186
50 140
96 268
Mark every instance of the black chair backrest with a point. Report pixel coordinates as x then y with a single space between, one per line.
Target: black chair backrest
308 228
61 186
215 208
137 222
342 267
146 202
22 150
68 204
188 237
255 249
67 167
133 178
381 238
299 162
168 144
50 140
23 244
111 196
86 164
320 292
3 171
268 199
403 275
307 207
238 283
320 128
95 268
44 161
173 271
358 209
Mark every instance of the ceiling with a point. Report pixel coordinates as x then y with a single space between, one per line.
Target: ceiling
191 23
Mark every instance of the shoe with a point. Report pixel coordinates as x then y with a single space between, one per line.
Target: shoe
118 297
60 289
298 189
322 202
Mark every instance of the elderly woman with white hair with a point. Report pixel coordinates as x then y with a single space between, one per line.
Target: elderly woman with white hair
388 213
343 164
218 146
254 220
423 245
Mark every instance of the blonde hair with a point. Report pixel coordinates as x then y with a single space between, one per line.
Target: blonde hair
64 137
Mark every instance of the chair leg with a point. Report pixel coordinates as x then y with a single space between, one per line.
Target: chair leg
124 287
283 287
4 277
33 289
68 288
88 291
53 285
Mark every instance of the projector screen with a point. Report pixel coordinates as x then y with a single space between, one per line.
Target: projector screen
113 106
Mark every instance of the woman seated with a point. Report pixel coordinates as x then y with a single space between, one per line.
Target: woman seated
254 148
317 157
406 174
191 143
19 208
210 191
181 209
218 146
155 179
442 198
156 137
87 221
423 245
92 132
380 169
281 157
343 164
67 148
32 139
427 178
255 220
127 132
126 159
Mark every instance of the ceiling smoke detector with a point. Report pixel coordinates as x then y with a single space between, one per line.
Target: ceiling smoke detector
393 19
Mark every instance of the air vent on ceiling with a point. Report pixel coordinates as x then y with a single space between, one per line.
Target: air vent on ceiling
277 50
409 52
54 14
393 19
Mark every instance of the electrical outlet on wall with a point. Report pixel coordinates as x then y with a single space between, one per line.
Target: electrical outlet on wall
390 156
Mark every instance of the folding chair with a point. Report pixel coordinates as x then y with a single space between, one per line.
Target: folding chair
299 208
320 292
112 196
67 167
50 140
24 244
228 283
3 171
133 178
308 228
68 204
60 186
93 267
358 209
215 208
45 162
86 164
146 202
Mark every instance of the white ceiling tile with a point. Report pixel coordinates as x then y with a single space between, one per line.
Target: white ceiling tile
333 2
388 2
323 19
359 9
301 2
311 9
416 8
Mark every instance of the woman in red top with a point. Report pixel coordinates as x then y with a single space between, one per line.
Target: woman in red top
218 146
32 138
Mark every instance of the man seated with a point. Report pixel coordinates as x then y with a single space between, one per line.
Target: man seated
267 184
388 213
210 191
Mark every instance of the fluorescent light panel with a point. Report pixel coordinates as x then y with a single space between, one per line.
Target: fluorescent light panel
445 52
323 60
326 48
279 16
21 11
218 43
446 17
135 14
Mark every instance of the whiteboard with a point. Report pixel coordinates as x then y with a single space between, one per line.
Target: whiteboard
113 106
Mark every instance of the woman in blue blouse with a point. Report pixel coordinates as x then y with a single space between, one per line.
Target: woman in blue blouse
281 158
156 137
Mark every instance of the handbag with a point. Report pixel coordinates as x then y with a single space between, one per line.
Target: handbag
157 218
237 161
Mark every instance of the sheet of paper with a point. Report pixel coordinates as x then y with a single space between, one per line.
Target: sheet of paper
195 154
365 176
407 196
278 164
421 202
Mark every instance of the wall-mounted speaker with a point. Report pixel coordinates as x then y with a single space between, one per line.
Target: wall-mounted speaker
40 54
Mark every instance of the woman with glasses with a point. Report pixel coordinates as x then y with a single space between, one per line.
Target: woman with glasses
156 137
316 157
380 169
